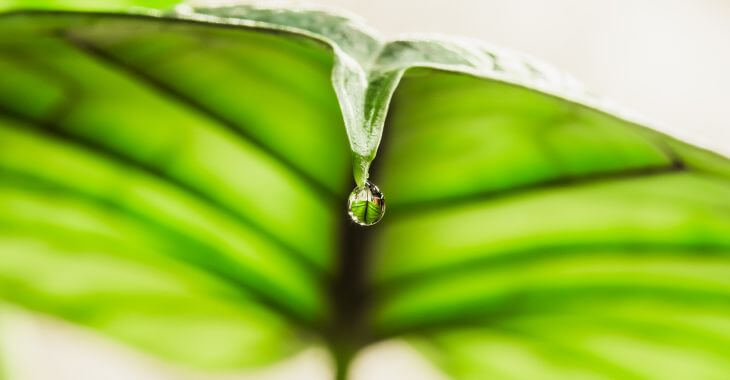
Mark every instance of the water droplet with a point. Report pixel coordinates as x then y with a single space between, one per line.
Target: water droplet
366 204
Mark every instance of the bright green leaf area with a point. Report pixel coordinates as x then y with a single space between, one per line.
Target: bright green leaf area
626 340
529 237
86 5
114 133
182 186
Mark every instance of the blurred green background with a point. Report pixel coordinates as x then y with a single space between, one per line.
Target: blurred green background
180 187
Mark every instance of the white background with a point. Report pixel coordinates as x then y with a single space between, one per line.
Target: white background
668 60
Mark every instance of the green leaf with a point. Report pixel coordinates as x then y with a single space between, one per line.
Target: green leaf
127 157
179 180
87 5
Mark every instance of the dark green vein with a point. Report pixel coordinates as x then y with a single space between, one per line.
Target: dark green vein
594 362
348 296
183 248
325 194
520 302
72 92
506 259
658 328
51 129
406 209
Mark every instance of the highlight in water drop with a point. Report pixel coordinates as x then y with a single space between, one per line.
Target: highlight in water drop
366 205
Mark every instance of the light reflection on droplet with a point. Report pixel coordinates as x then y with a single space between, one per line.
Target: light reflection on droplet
366 205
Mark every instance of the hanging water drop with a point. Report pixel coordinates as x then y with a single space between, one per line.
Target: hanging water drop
366 204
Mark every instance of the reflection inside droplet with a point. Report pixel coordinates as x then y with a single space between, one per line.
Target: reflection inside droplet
366 205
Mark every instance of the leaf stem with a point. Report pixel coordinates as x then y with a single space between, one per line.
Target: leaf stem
349 329
342 359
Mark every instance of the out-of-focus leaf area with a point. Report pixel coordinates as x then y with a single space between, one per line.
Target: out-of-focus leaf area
171 184
85 5
532 238
180 186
